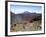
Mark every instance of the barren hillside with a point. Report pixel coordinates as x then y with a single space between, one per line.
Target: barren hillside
25 22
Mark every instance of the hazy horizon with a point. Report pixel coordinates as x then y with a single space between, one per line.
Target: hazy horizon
22 8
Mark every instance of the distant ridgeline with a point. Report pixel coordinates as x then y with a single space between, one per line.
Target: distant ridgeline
25 17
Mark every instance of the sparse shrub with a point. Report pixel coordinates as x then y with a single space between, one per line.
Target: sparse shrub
30 21
14 24
24 27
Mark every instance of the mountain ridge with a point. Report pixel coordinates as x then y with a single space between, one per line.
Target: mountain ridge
24 17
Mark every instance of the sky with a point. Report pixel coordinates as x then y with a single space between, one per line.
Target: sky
22 8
